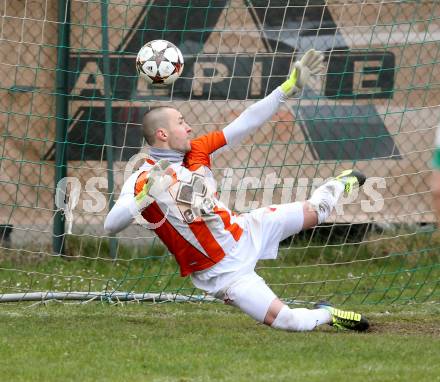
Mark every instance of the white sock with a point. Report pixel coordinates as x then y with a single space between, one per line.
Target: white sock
300 319
325 198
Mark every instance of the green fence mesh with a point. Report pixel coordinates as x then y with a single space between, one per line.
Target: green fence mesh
375 108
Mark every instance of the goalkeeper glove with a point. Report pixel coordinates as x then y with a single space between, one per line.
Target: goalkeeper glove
310 63
160 178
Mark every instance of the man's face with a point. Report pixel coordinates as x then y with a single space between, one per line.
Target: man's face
179 132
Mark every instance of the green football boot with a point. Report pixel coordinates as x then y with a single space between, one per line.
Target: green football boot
351 178
342 319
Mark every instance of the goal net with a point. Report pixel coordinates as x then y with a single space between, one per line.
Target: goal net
70 110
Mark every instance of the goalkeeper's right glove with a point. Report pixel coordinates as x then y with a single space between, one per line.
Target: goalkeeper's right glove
310 63
160 178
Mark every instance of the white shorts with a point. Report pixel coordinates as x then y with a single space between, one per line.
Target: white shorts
263 229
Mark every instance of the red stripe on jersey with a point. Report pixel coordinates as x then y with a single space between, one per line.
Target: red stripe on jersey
150 161
234 229
206 239
189 258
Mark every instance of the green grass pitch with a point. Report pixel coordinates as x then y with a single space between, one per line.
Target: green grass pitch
209 342
397 288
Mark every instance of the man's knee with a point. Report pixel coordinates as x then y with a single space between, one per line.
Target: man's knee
291 216
310 216
252 295
273 311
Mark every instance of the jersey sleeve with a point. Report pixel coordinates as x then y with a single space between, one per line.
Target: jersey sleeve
253 118
202 147
122 213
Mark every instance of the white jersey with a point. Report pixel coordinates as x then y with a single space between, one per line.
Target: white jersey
189 218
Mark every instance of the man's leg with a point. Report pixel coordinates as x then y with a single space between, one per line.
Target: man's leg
280 316
252 295
315 211
295 217
321 204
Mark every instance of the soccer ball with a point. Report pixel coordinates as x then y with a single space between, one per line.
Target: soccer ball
159 62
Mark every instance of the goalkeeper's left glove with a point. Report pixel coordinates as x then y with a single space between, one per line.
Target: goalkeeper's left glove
310 63
160 178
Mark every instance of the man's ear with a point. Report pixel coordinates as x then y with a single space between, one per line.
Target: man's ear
161 134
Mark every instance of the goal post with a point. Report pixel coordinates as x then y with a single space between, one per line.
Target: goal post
375 108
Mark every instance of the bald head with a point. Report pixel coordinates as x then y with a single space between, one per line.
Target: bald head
154 119
164 127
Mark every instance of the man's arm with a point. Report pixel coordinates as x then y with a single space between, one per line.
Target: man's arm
137 194
253 117
121 215
261 112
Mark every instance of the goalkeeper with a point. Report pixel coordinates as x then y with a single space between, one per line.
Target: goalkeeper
174 193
